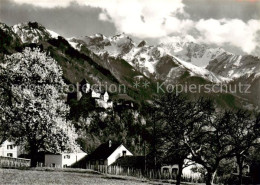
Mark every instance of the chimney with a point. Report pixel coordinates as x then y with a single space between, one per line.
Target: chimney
109 143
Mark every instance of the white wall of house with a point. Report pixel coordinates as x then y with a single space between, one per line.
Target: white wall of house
169 168
186 171
63 160
118 153
8 149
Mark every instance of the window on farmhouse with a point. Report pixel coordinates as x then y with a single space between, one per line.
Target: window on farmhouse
174 171
9 155
165 170
124 153
10 147
66 156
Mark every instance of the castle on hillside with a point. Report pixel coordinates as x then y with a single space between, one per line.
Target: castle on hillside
101 99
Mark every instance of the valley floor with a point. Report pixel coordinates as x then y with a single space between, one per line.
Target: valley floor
65 177
33 177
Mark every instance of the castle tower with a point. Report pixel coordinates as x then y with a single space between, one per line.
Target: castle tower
106 97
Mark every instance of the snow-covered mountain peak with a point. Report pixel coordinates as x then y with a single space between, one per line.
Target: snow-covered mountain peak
235 66
149 60
197 54
202 72
119 36
169 59
171 62
7 30
31 32
97 35
53 34
117 45
121 39
4 27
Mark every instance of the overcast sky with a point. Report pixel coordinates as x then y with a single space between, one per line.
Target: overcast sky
231 24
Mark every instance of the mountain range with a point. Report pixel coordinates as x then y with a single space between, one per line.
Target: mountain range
119 60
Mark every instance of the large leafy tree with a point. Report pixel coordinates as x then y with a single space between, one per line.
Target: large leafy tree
33 109
209 144
178 116
243 129
223 136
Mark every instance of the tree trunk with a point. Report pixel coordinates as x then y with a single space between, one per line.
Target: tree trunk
210 177
213 177
240 166
178 178
240 169
33 154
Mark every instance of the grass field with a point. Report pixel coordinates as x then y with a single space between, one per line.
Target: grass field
39 177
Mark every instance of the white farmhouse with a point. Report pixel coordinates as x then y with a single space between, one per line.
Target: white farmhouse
9 149
107 153
174 168
63 160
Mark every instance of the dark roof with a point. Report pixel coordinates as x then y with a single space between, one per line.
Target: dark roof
131 162
123 97
103 151
77 150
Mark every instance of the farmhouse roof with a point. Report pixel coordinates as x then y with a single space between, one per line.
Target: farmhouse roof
131 161
104 151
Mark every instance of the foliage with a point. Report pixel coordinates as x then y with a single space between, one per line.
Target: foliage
119 125
5 41
194 130
178 116
34 109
